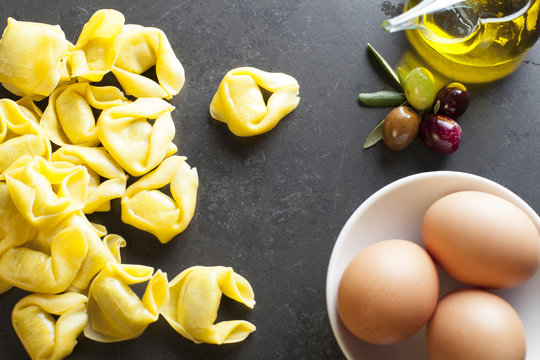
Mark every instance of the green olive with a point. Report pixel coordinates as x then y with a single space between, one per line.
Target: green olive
400 127
420 88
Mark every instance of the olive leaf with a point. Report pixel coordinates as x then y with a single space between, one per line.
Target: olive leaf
401 75
382 98
384 64
374 136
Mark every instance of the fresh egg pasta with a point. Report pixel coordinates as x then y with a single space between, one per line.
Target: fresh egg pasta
4 286
45 192
20 133
240 104
195 295
48 325
14 229
20 44
47 244
99 164
138 135
149 209
99 252
96 49
141 48
69 119
115 312
51 270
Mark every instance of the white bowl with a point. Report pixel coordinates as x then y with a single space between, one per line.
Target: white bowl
396 211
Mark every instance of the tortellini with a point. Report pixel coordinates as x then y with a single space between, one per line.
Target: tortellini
240 104
33 58
115 312
49 263
147 208
14 229
43 336
48 246
4 286
68 118
46 192
97 47
136 144
100 252
140 49
195 295
99 164
20 133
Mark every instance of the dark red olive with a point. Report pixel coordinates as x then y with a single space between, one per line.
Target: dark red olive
440 133
453 100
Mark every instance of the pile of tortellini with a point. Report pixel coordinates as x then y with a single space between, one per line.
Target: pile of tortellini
58 165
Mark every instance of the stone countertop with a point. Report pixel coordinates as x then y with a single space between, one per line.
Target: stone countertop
272 206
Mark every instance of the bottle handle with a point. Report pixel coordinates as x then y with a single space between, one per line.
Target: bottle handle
409 19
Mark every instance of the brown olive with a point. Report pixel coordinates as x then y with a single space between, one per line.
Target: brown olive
400 127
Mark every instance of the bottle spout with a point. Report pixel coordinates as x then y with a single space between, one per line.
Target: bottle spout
399 24
412 18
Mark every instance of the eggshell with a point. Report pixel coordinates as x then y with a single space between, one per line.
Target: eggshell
388 292
481 239
473 324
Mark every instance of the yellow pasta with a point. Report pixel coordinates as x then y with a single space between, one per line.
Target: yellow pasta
68 118
47 244
195 295
46 192
14 229
99 164
43 336
140 49
115 312
20 133
114 243
136 144
240 104
4 286
96 49
33 58
99 252
49 270
148 209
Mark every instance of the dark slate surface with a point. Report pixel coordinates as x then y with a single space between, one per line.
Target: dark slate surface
272 206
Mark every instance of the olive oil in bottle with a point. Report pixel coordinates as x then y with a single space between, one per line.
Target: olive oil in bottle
474 40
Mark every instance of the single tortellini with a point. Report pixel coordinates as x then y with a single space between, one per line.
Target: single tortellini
33 58
45 192
69 119
136 144
99 252
148 209
195 295
99 164
140 49
20 133
48 325
47 264
96 49
115 312
240 104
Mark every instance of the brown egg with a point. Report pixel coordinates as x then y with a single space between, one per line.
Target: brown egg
388 292
481 239
472 324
